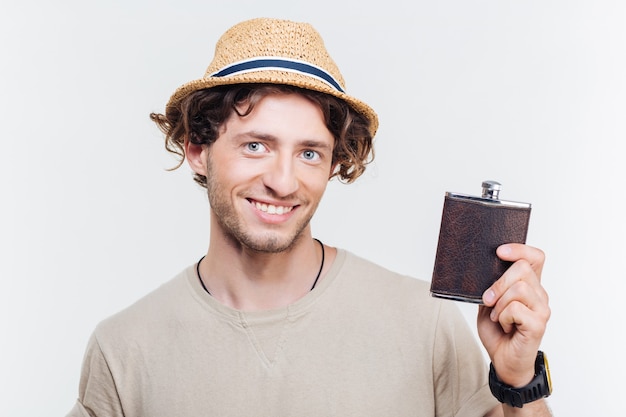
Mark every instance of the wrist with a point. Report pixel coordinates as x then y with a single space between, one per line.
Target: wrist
540 386
513 379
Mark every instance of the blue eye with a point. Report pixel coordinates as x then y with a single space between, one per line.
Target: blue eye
255 147
310 155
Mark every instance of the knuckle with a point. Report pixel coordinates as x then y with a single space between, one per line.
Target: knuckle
541 255
525 266
547 314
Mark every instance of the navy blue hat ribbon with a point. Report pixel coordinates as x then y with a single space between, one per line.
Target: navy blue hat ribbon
265 63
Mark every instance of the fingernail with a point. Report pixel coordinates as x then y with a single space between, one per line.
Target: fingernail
505 250
489 296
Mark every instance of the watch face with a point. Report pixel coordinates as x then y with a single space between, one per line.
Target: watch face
548 377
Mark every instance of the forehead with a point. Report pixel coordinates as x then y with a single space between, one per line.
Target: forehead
256 94
280 112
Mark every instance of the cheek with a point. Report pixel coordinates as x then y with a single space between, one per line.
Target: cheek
228 169
318 184
316 178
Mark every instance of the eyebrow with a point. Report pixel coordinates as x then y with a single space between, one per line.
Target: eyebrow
308 143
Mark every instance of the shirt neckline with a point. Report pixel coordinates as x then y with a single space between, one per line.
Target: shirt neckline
298 307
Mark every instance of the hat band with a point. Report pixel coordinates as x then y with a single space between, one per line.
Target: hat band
277 63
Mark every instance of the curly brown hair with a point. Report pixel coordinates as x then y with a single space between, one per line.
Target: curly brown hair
199 116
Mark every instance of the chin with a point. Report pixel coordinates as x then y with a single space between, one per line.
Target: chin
270 242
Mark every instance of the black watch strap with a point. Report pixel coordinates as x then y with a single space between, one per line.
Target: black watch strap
539 387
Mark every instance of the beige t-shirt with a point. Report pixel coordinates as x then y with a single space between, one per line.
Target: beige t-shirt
364 342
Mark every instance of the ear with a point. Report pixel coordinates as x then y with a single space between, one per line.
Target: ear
333 170
196 156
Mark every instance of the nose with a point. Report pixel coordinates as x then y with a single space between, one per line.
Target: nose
281 176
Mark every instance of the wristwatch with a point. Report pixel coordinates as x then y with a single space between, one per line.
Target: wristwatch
539 387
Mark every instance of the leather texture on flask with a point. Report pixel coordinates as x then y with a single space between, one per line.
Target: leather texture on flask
466 263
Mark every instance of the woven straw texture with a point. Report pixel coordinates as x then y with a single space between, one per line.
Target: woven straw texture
274 38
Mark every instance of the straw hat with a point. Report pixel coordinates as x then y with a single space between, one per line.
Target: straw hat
277 52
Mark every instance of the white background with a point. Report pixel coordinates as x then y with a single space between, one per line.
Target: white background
529 93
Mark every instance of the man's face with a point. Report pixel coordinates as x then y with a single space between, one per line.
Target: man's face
267 172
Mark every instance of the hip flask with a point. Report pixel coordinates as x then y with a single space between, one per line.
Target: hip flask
472 228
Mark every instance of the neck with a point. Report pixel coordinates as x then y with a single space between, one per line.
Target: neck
252 281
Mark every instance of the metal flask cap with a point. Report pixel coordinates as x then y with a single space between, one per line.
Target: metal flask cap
491 189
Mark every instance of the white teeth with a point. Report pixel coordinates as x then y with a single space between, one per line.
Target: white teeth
272 209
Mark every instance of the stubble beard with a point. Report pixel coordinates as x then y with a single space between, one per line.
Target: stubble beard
235 229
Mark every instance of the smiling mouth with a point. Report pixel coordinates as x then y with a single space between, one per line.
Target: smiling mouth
271 208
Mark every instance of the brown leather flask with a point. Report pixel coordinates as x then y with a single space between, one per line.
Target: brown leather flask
471 230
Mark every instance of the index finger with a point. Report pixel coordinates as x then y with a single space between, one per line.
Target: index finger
527 265
514 252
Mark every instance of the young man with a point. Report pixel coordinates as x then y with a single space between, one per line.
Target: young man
272 322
